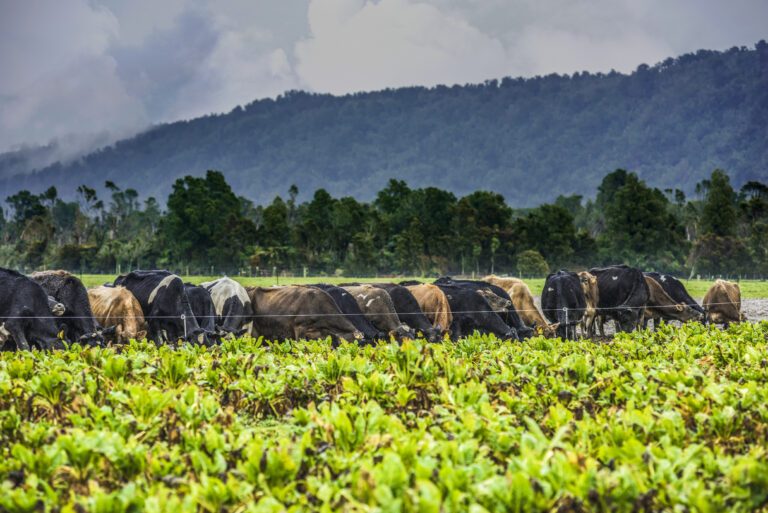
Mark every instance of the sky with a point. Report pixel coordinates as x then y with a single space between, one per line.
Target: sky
86 72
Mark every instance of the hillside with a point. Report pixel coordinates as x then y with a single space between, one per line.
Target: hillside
529 139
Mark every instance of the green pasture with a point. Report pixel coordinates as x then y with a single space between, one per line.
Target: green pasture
675 420
750 289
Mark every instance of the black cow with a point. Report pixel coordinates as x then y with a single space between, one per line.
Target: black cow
509 315
409 312
472 312
351 310
623 295
205 313
233 306
676 290
25 315
563 302
165 305
77 322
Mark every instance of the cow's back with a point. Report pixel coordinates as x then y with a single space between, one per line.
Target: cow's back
116 306
620 286
434 303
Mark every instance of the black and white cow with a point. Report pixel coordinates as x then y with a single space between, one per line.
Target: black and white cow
232 304
351 310
77 322
202 306
623 295
563 302
165 305
25 313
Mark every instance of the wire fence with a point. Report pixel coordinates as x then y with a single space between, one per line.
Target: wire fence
346 314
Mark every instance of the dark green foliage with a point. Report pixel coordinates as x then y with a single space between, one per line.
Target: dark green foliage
531 263
209 229
718 213
205 223
529 139
639 228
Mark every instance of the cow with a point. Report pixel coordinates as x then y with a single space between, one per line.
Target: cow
563 302
623 295
471 312
722 303
298 312
77 322
25 313
676 290
232 304
409 312
592 296
661 306
117 307
351 310
524 304
201 303
433 302
379 309
508 315
165 306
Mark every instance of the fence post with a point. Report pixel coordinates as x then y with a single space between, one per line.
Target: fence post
184 322
565 309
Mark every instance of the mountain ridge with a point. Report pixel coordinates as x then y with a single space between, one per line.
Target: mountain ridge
672 123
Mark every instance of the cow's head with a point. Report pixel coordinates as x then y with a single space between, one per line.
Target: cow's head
687 313
94 339
546 330
433 335
497 303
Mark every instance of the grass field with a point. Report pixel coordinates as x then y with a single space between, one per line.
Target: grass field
671 421
750 289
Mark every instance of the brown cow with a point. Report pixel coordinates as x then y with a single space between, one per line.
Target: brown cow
722 303
524 304
661 306
298 312
434 304
591 294
116 306
504 283
379 309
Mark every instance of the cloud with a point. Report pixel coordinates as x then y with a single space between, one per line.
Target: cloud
96 70
361 46
63 81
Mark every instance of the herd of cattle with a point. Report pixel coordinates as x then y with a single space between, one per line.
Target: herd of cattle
51 307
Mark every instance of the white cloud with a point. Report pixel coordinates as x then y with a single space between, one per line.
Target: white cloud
96 66
358 46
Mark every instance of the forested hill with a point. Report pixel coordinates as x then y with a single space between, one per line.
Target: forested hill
529 139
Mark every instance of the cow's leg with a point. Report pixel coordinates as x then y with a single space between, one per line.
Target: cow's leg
18 335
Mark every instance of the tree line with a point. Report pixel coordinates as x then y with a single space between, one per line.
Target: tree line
207 228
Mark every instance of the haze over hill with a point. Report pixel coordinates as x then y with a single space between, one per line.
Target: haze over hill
529 139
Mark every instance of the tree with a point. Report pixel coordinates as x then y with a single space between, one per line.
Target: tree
531 263
550 230
205 224
639 226
718 215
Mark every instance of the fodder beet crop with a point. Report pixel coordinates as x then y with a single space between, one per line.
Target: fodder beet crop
672 421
